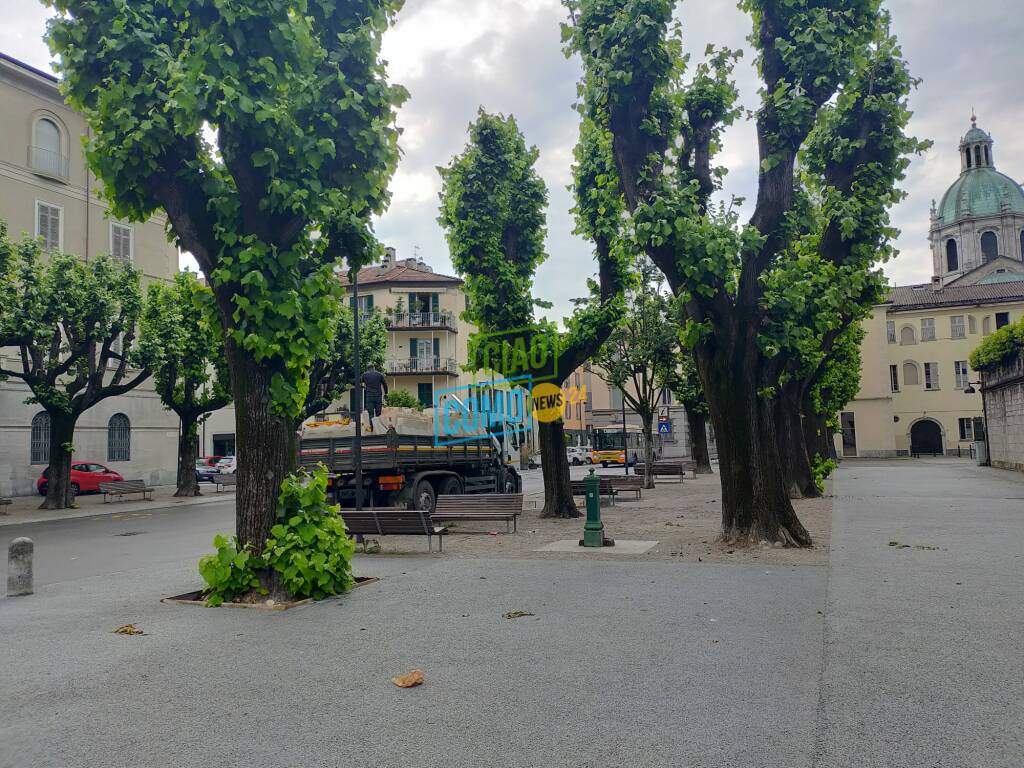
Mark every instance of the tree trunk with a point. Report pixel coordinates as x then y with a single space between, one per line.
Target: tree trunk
755 505
648 427
697 423
187 455
558 500
59 494
817 433
797 472
265 447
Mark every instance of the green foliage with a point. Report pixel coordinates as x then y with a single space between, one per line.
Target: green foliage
229 572
400 398
822 469
1000 347
305 143
310 548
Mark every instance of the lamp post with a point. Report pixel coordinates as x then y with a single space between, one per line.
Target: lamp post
625 445
357 443
970 390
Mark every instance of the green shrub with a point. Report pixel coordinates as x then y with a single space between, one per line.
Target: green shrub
822 469
310 548
230 571
399 398
999 347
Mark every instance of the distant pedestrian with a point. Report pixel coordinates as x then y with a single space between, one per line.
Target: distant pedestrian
375 388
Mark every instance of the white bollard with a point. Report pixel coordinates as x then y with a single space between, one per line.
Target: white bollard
19 567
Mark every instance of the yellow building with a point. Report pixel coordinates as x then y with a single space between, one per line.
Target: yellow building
914 365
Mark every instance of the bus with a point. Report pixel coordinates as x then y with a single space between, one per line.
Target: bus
607 445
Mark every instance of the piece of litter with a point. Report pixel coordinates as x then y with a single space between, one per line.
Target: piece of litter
128 629
409 679
516 614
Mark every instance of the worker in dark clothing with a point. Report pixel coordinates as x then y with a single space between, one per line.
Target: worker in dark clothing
375 387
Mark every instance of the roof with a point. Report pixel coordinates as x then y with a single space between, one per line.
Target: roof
409 272
28 67
907 297
980 192
1001 277
976 134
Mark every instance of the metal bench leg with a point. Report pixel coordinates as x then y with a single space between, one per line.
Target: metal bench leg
430 543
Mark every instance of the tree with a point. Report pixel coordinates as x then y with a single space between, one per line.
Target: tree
265 130
183 342
492 207
73 324
829 67
639 358
687 390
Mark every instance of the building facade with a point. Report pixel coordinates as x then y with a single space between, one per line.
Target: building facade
914 358
46 191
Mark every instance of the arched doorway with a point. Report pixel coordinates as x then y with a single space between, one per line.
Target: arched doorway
926 437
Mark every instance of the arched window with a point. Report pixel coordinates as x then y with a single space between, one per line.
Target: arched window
987 160
986 325
910 374
989 247
47 148
1022 245
977 155
907 335
967 154
39 448
119 438
952 261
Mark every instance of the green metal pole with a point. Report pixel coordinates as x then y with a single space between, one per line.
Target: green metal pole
593 529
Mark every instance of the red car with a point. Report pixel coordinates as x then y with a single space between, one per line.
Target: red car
210 461
85 477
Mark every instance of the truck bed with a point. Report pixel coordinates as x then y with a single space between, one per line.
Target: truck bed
407 452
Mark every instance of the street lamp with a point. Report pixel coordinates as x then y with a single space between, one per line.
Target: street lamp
970 390
625 446
357 443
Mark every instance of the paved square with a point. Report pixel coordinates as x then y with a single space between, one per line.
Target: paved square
622 547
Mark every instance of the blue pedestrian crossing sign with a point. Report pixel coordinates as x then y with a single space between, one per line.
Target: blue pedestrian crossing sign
664 427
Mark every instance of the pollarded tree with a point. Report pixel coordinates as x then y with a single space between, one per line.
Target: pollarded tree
687 390
182 340
639 358
72 324
492 206
667 131
265 130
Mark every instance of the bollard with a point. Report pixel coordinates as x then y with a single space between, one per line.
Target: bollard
593 529
19 567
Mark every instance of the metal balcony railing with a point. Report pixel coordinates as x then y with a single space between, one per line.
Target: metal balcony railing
423 365
444 320
47 161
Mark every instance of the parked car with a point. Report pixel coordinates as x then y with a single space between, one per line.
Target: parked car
85 477
204 471
578 455
226 466
210 461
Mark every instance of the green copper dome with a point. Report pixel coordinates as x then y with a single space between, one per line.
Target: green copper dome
980 192
976 134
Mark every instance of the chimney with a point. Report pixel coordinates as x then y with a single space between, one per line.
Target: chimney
389 257
936 283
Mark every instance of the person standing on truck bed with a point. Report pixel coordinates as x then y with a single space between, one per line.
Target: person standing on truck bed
375 387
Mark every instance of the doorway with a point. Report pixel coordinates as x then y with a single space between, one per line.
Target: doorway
926 437
848 423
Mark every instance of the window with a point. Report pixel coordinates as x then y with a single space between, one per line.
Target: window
967 154
48 225
120 241
890 331
952 261
907 336
977 154
894 378
119 438
927 329
39 449
46 154
1022 244
986 325
910 376
956 327
989 247
615 396
1002 318
972 324
966 429
963 374
425 394
931 375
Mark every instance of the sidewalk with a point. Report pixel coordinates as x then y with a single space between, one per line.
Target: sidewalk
25 509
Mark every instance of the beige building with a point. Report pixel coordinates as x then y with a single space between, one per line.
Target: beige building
47 192
914 366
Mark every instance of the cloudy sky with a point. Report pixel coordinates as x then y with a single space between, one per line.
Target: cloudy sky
457 55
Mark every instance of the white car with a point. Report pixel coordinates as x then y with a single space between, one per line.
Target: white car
578 455
227 465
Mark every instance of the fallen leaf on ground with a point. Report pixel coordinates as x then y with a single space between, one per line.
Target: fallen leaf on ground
128 629
409 679
516 614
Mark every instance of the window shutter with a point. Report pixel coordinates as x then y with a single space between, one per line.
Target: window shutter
369 303
437 348
48 224
413 349
435 302
121 242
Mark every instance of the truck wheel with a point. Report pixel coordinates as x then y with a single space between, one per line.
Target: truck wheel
451 486
423 497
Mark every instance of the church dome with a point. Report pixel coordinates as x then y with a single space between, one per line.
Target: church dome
980 192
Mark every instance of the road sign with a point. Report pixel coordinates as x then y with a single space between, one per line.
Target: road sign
665 428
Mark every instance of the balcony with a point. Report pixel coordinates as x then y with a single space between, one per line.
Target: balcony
422 366
48 163
427 321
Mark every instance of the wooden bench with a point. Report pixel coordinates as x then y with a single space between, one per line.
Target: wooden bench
394 522
670 468
604 487
124 487
3 503
626 483
223 481
490 507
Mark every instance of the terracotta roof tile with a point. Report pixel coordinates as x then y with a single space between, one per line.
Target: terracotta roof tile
402 273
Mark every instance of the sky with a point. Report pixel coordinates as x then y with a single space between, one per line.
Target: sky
455 56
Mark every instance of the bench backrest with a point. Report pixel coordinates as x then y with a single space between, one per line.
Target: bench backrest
632 481
500 503
124 485
385 521
225 479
